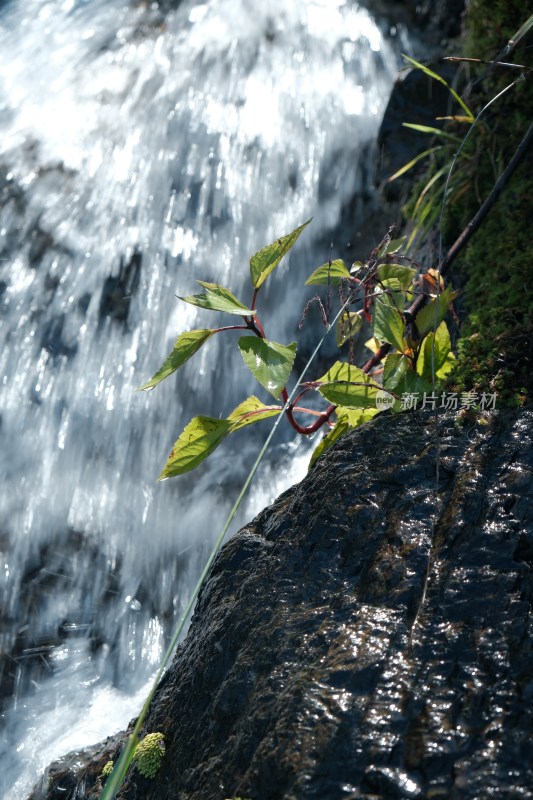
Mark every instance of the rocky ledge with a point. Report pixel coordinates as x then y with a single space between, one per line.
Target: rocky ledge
367 636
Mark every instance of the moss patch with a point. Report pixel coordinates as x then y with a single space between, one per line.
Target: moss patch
495 270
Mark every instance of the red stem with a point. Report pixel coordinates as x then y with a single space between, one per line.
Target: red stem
257 327
376 358
307 429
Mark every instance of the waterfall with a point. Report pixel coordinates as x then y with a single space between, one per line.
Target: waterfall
142 148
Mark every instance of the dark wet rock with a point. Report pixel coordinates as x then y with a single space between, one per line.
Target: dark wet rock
118 289
23 232
321 664
54 340
31 628
63 777
40 242
415 98
434 21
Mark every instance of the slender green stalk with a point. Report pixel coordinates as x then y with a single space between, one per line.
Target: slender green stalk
114 781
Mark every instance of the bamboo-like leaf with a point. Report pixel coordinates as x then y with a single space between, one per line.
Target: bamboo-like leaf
442 352
441 80
269 362
435 311
217 298
329 274
455 118
415 160
267 259
429 185
346 385
348 325
404 275
388 324
250 411
198 440
435 131
521 32
186 346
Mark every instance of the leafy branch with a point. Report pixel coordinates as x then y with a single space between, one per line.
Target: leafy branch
381 292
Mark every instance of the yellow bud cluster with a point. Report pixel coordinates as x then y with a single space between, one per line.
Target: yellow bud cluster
107 770
149 753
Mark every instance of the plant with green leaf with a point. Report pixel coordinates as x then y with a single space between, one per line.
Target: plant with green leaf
425 206
387 292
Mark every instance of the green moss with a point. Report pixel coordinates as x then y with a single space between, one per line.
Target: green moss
149 753
494 272
490 24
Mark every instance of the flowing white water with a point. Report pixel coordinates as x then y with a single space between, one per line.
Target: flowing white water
140 150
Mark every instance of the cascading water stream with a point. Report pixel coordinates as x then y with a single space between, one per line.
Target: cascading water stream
140 149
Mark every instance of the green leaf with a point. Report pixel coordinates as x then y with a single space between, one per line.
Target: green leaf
404 275
348 325
267 259
373 345
347 419
436 131
388 323
434 312
392 247
335 433
346 385
250 411
217 298
411 382
415 160
329 274
446 367
269 362
356 416
198 440
443 357
186 346
394 369
441 80
429 185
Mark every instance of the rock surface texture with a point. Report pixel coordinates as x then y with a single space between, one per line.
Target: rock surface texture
320 662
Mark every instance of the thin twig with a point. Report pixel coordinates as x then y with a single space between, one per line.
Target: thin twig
456 59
